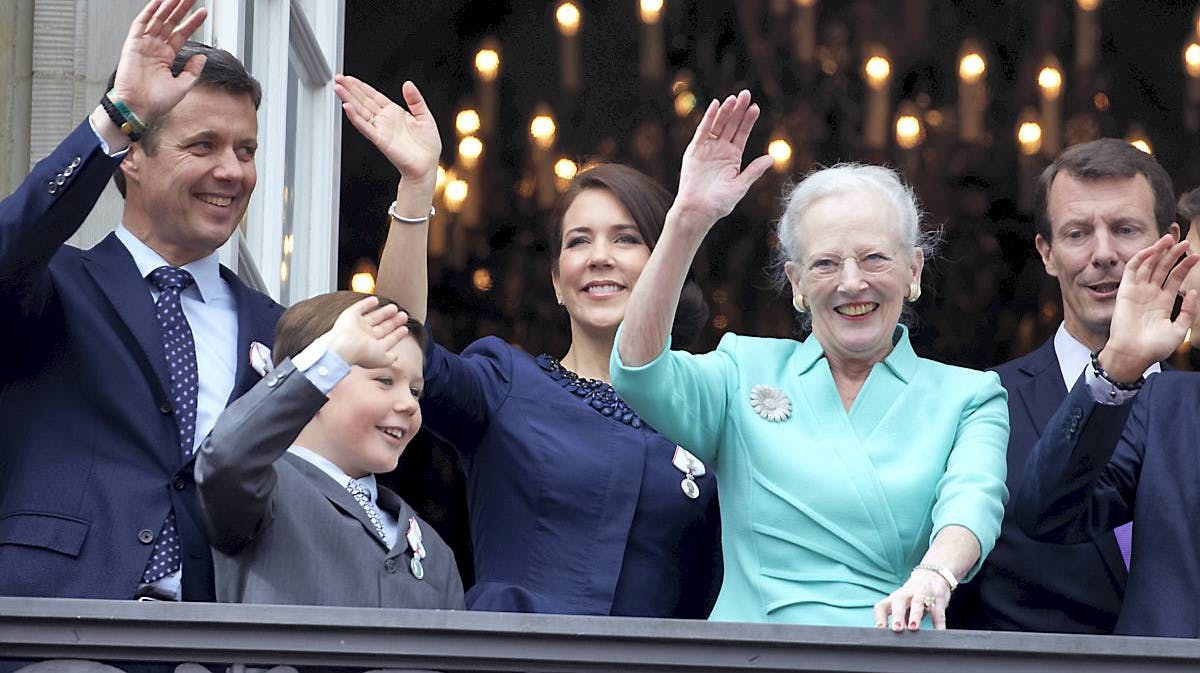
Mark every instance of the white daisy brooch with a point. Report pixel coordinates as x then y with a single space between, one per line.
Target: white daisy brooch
770 403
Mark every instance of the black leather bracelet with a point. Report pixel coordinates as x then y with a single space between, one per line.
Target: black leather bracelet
1136 385
119 119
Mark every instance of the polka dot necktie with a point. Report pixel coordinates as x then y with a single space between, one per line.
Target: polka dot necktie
181 364
363 496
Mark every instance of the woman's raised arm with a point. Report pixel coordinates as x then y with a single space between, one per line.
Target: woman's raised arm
409 139
711 182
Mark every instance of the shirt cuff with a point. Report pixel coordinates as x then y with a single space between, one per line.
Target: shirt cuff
1103 391
103 144
321 366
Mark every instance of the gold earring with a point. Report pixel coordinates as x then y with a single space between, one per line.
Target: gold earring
914 291
799 304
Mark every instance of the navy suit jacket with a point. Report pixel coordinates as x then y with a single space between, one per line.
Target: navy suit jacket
1027 585
1093 471
90 462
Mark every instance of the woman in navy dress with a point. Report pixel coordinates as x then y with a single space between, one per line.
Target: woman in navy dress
576 505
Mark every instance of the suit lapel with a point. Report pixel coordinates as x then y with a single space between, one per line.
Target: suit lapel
1044 390
337 495
115 273
390 502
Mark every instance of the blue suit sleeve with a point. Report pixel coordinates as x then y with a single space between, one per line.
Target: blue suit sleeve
42 214
463 392
1081 476
972 492
681 395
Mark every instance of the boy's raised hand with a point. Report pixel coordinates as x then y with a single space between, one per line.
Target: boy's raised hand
365 333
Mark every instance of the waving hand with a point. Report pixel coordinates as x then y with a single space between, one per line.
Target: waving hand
712 180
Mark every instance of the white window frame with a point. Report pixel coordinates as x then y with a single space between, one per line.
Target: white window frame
309 33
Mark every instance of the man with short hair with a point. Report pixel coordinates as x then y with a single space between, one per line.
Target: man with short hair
122 356
1096 206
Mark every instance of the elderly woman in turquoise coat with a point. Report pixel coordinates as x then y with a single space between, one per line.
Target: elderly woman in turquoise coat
860 483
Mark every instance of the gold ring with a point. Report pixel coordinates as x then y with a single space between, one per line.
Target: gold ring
371 121
713 136
928 601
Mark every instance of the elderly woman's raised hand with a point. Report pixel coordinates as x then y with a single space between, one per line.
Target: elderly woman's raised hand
408 138
1142 331
712 180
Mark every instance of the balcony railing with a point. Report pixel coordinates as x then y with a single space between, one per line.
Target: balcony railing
475 641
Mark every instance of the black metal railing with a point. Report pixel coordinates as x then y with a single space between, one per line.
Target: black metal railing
334 638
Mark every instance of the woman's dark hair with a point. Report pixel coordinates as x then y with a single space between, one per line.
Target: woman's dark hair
301 324
647 202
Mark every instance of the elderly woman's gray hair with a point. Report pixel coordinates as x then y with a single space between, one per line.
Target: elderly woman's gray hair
853 177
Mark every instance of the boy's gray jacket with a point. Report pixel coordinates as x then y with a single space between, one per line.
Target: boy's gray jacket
284 532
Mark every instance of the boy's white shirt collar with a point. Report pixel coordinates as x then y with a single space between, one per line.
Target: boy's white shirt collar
206 270
325 465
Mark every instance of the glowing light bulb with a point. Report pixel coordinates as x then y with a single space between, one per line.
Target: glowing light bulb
908 131
467 122
1029 135
651 10
542 128
971 67
781 153
487 64
565 169
1050 80
469 150
567 16
363 282
456 194
877 69
1191 59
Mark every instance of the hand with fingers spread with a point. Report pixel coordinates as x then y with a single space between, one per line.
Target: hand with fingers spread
365 333
408 138
144 81
712 180
925 592
1142 331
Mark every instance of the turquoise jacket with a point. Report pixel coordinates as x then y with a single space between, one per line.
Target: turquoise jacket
826 512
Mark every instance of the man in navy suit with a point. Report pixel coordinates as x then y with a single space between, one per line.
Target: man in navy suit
1123 448
95 473
1097 205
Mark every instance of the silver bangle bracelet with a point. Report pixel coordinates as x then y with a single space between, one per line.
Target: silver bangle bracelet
410 220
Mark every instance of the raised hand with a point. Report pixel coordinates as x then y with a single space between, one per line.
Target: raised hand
1142 332
144 80
408 138
365 333
712 180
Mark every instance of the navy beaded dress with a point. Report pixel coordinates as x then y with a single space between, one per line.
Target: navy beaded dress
575 504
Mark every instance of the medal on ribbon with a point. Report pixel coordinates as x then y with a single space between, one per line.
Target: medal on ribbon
413 536
691 467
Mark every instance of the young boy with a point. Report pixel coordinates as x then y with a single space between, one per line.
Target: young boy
285 480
